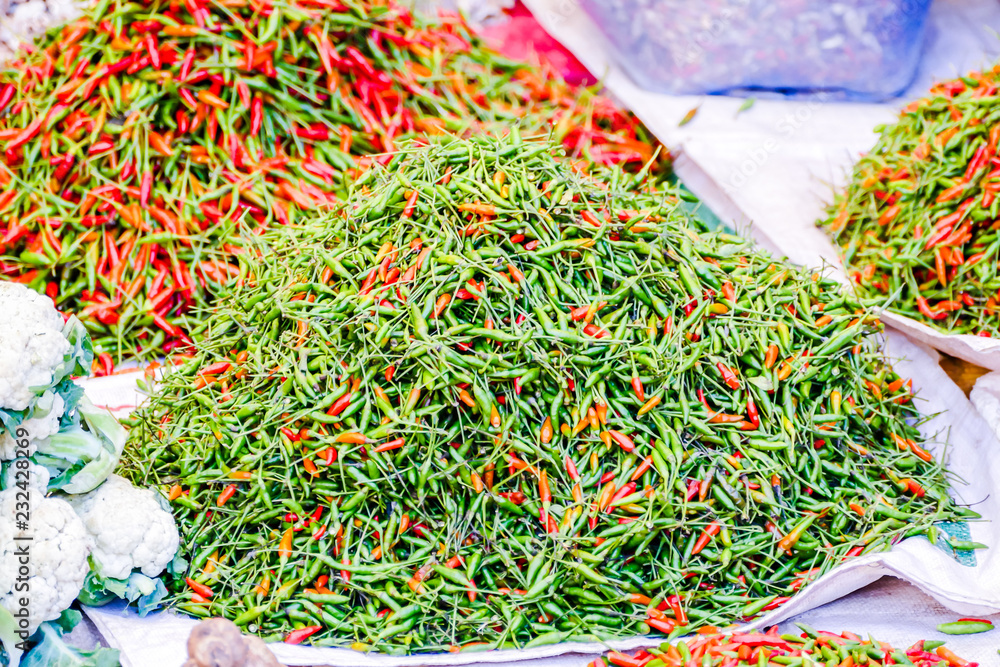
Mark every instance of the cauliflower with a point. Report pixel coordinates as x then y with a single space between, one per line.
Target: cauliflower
32 345
43 422
129 528
57 557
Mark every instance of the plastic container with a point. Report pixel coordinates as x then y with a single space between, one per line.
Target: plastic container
865 50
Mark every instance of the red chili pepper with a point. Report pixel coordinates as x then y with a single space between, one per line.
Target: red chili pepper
637 388
591 218
300 635
7 95
728 376
571 470
152 48
626 490
127 170
411 204
369 281
729 292
315 132
674 602
107 363
752 413
215 369
623 660
975 164
167 327
188 98
27 134
145 188
623 440
664 625
926 311
200 589
107 70
256 115
340 405
390 445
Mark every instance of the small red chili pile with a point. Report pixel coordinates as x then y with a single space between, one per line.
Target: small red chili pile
137 139
919 220
813 647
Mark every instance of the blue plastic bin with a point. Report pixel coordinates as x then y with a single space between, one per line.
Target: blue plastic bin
864 50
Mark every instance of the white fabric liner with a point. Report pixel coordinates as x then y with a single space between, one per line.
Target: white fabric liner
792 153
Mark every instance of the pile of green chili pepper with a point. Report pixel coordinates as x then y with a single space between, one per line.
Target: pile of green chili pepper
812 647
918 221
494 401
133 136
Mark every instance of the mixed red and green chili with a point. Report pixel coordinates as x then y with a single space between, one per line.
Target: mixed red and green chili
917 224
811 647
138 139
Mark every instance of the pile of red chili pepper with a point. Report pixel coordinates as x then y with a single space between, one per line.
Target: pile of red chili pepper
918 222
811 647
496 401
137 139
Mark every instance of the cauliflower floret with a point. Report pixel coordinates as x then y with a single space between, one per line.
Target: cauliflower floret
32 344
37 476
44 421
129 528
57 556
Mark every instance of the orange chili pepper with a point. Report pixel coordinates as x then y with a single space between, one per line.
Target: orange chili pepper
212 100
264 586
285 546
478 209
544 492
466 397
388 446
226 494
441 303
546 433
771 356
649 405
